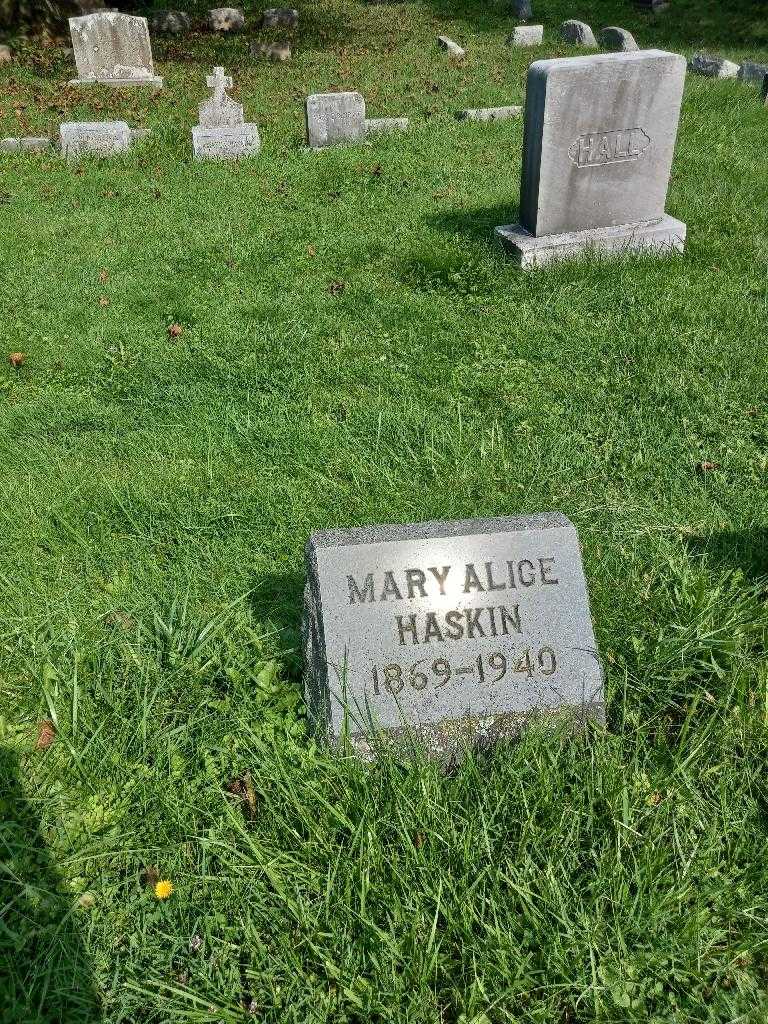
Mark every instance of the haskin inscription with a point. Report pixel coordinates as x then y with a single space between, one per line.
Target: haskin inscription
455 633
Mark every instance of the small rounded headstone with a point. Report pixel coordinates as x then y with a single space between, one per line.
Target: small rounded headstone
614 38
578 33
170 22
712 67
226 19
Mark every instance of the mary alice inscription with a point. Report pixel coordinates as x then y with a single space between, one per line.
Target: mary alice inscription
459 631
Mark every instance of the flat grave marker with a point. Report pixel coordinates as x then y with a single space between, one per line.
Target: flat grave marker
458 632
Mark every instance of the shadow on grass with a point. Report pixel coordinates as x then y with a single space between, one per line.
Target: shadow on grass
746 550
477 224
44 974
277 601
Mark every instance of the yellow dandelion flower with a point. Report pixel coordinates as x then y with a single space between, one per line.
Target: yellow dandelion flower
163 889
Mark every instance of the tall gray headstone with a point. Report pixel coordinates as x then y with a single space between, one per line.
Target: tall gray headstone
598 144
334 118
112 49
455 632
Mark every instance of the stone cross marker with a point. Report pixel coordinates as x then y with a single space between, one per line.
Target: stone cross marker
222 133
459 631
598 143
334 118
112 49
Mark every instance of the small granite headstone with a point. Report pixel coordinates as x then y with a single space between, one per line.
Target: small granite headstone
112 49
226 19
280 17
334 119
222 133
489 113
712 67
170 22
614 38
753 73
526 35
94 138
598 144
578 33
455 632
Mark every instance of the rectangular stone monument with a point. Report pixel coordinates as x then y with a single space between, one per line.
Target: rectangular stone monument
457 633
334 118
222 133
598 143
94 138
112 49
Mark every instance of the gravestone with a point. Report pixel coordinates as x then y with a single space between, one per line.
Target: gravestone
578 33
276 52
226 19
488 113
522 10
94 138
112 49
385 125
712 67
170 22
457 631
280 17
598 143
451 48
334 119
222 133
614 38
752 73
526 35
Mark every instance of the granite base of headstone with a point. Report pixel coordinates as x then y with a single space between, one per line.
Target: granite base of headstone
488 113
453 634
334 119
598 143
113 49
222 133
94 138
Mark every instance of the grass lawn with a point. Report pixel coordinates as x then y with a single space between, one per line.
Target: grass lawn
355 349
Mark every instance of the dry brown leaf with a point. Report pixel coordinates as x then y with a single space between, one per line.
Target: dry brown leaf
46 734
705 466
336 287
150 876
175 330
17 358
103 301
311 250
103 276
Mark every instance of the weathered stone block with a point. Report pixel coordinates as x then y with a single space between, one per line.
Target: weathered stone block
526 35
225 143
712 67
170 22
453 49
753 73
489 113
280 17
334 118
226 19
94 138
457 632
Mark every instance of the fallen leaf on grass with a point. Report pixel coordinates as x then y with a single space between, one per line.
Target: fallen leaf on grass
311 250
103 276
705 466
336 287
150 876
17 358
242 788
175 330
103 301
46 734
418 840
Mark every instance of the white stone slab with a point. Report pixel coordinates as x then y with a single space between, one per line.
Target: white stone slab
662 236
453 49
94 138
489 113
225 143
334 118
385 125
111 48
526 35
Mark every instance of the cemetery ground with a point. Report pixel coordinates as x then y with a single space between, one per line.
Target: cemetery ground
218 359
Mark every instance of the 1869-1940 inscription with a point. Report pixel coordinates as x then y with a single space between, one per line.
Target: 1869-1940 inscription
458 631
